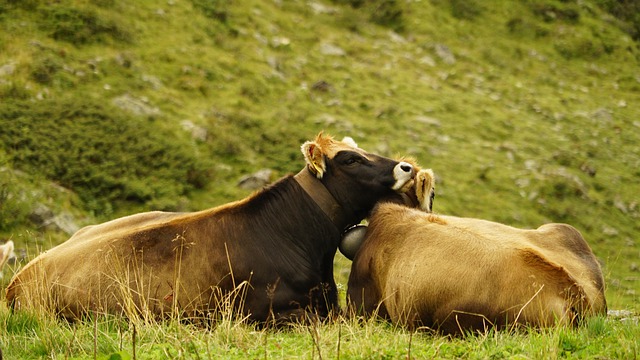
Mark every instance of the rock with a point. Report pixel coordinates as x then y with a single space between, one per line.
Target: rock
322 86
7 69
66 223
331 50
197 132
427 60
588 169
280 41
256 180
603 114
609 231
445 54
43 217
319 8
154 81
428 121
135 105
619 314
396 38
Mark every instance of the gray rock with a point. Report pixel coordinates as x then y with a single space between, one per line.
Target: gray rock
138 106
197 132
7 69
331 50
427 120
43 217
445 54
256 180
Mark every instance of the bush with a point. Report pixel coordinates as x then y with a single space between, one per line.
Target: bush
626 11
465 9
386 13
102 154
81 26
550 12
14 206
213 9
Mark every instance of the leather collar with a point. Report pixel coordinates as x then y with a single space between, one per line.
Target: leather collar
322 197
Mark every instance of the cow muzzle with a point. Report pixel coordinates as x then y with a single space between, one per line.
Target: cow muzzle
402 173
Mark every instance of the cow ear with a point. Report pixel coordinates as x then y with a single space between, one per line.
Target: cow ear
314 158
425 183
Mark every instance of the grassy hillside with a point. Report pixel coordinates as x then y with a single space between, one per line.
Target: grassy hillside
526 110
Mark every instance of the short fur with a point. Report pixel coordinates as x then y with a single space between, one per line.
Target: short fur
274 248
455 274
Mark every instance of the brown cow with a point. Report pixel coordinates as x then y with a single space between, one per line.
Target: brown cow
269 256
457 274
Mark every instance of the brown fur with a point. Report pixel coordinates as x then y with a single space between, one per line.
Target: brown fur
269 256
456 274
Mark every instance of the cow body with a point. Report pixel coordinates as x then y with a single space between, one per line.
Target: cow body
269 256
457 274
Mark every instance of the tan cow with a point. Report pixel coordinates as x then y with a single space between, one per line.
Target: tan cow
267 257
455 274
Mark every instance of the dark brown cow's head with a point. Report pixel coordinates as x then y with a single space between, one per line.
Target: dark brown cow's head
355 178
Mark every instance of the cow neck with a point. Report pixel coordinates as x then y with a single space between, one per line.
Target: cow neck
323 198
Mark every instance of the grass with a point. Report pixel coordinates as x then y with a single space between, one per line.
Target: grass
534 121
107 337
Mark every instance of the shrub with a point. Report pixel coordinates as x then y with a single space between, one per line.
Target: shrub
102 154
626 11
465 9
81 26
44 69
461 9
550 12
386 13
213 9
14 206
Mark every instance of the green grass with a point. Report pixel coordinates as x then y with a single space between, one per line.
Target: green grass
535 121
28 337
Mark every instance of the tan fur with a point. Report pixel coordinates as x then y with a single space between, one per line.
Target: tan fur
456 274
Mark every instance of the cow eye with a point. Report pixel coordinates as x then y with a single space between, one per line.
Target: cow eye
347 158
353 160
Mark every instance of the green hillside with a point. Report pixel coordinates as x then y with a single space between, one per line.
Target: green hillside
526 110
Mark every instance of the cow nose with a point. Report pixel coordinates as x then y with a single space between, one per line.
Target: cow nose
406 167
403 172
